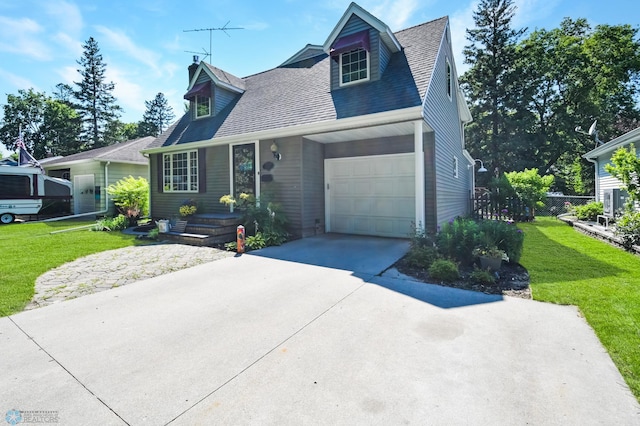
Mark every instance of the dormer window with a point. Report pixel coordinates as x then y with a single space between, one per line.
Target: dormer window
351 52
200 99
354 66
203 106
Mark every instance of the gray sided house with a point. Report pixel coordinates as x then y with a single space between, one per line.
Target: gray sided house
609 189
361 135
93 171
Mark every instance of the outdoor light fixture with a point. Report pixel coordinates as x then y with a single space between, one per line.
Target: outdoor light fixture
481 169
274 150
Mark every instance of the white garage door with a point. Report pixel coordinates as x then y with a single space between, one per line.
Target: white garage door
372 195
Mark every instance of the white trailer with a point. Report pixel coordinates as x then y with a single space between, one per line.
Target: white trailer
25 190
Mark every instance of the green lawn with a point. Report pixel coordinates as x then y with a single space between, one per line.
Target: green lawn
30 249
567 267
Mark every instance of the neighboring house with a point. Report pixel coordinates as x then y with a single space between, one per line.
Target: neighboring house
609 189
362 135
93 171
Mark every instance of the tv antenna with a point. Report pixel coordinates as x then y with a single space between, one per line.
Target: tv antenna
593 132
224 29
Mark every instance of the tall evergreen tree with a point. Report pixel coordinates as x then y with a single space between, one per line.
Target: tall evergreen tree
157 117
96 103
489 82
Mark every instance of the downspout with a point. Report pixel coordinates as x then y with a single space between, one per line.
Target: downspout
597 168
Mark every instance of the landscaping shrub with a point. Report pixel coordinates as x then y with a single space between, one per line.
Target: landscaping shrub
628 229
117 223
483 277
444 270
457 239
131 196
260 217
255 242
421 256
589 211
503 235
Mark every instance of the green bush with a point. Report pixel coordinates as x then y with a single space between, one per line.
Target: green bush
117 223
421 256
483 277
153 234
131 196
255 242
457 239
589 211
261 216
444 270
628 229
503 235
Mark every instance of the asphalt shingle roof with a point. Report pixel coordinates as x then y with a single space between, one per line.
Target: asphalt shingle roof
300 93
125 152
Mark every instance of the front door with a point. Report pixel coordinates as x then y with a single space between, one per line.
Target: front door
244 169
84 198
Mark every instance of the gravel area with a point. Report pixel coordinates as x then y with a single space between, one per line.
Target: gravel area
115 268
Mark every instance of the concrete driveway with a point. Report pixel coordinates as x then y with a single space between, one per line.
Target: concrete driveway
307 333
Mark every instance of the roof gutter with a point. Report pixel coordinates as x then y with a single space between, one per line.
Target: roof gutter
369 120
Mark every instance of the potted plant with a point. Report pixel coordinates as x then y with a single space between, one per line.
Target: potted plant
490 256
188 208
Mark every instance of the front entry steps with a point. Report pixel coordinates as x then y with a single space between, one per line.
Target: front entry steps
207 229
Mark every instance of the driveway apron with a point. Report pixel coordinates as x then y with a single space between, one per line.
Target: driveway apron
307 333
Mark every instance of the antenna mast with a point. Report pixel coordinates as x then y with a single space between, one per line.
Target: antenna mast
224 29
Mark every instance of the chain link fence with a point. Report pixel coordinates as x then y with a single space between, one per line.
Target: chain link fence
555 204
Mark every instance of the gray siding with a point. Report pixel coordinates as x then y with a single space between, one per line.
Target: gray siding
222 98
385 56
441 113
286 185
166 204
430 200
313 209
379 146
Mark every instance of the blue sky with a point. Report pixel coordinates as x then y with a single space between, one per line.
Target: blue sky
143 41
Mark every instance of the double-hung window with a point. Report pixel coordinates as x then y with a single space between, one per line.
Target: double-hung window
354 66
203 106
180 171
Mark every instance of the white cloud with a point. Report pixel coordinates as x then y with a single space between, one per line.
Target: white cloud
67 15
395 13
23 36
72 45
120 41
130 95
69 74
18 81
529 11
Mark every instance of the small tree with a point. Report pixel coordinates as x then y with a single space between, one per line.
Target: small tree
131 196
530 187
625 166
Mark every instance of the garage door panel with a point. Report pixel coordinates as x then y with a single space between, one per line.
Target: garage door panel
371 195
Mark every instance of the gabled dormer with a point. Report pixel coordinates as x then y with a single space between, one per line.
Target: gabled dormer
360 47
211 90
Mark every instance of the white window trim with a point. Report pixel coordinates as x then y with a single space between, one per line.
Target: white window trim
170 189
356 81
449 76
195 105
455 167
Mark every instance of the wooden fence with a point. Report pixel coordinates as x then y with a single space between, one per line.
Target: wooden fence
487 206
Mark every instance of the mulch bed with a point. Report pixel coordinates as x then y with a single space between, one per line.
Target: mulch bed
512 279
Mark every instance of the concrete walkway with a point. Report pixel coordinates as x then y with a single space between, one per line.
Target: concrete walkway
257 339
